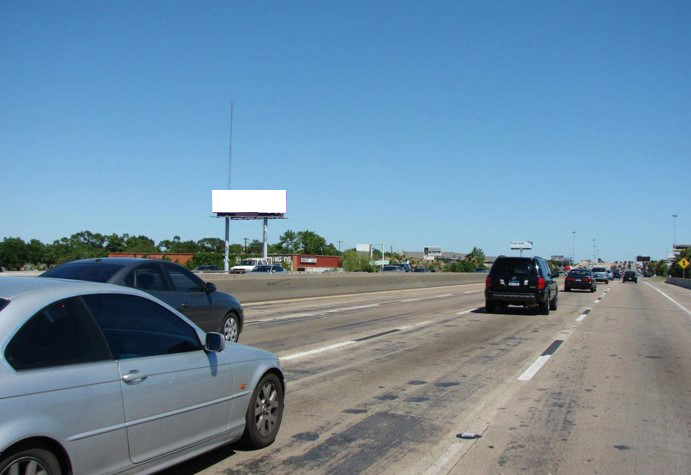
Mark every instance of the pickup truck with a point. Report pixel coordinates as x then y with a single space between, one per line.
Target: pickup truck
248 265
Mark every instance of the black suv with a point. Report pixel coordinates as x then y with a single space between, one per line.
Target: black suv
524 281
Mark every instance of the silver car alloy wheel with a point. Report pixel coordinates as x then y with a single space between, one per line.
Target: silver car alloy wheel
25 466
266 409
230 329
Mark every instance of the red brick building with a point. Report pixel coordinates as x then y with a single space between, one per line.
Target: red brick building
181 258
309 263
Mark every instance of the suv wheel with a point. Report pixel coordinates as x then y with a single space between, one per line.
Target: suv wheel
490 307
554 302
545 306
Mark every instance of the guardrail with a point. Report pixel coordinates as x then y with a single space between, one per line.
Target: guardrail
259 288
679 281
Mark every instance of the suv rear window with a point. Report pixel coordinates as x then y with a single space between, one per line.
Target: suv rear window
579 272
91 271
599 269
514 266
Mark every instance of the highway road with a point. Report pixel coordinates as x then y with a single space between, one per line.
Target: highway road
387 383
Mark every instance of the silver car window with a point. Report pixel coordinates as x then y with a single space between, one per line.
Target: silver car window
135 327
60 334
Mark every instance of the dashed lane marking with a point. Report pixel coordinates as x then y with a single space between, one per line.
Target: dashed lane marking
540 362
582 316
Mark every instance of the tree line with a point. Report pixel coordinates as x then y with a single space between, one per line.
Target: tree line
17 254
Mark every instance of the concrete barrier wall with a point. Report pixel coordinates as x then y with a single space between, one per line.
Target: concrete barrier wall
679 281
250 288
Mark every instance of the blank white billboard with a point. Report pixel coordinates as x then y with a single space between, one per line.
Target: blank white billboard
521 245
249 202
364 248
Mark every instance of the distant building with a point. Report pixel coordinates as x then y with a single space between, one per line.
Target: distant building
308 262
181 258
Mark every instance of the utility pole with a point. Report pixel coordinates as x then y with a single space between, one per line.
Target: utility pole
339 246
573 248
246 239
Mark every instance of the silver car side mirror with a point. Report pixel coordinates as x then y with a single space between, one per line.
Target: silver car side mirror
215 342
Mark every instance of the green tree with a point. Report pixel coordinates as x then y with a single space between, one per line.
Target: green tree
354 261
140 244
661 268
14 253
477 258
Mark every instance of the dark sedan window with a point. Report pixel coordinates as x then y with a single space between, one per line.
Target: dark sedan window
3 303
147 277
579 272
60 334
91 271
135 327
183 280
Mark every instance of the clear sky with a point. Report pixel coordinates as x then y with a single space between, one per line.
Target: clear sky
409 123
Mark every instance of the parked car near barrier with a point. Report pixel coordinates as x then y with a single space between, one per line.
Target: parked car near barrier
181 289
104 379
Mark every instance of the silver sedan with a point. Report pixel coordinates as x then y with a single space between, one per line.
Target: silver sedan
102 379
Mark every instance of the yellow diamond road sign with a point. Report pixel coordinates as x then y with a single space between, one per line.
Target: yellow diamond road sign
684 263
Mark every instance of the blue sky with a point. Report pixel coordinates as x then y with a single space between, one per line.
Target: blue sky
456 123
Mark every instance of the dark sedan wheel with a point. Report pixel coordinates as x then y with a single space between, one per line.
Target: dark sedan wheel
30 462
264 413
230 328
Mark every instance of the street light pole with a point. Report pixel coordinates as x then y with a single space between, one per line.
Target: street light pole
594 251
674 245
573 248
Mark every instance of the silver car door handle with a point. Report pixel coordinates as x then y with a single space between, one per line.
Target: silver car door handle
185 305
133 377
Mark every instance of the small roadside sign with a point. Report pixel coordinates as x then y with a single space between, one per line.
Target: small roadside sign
683 263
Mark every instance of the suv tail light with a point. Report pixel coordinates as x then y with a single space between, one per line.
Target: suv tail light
587 279
540 283
488 282
569 279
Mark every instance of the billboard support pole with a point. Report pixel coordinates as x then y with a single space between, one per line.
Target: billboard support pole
266 237
226 250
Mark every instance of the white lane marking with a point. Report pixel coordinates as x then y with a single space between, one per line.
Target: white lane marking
463 312
414 325
440 463
441 296
473 291
581 317
336 346
597 300
317 350
410 300
534 368
670 298
357 307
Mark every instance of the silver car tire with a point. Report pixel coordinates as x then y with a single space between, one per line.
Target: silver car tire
264 413
230 328
30 461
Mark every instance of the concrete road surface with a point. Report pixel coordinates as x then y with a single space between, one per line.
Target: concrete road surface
386 384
